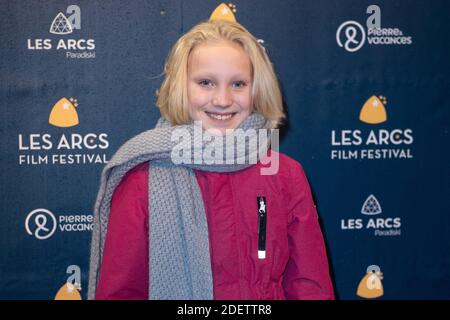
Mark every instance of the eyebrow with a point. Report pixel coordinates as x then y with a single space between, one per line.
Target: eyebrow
238 76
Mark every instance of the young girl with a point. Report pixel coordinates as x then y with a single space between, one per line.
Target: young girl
205 230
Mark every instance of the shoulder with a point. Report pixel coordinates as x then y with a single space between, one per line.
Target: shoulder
289 163
283 165
134 182
137 172
290 176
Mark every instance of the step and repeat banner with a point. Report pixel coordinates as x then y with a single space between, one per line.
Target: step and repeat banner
365 86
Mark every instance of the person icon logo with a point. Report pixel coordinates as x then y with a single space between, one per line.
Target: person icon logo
354 33
42 222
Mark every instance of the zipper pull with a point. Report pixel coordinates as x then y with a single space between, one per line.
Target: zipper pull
262 217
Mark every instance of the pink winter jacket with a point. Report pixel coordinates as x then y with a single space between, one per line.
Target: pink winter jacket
295 266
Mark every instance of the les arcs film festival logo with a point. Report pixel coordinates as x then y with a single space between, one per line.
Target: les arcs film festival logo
372 142
63 148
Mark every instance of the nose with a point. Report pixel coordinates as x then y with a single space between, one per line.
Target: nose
222 98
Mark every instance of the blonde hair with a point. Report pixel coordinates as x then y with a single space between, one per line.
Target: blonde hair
172 95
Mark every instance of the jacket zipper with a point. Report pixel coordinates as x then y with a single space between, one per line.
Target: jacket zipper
262 220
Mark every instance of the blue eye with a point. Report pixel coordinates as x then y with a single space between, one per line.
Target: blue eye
239 84
205 83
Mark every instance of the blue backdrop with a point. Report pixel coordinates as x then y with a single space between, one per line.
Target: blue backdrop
364 86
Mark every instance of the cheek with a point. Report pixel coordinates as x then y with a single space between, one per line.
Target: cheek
246 102
197 98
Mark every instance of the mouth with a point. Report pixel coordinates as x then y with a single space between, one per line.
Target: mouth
221 116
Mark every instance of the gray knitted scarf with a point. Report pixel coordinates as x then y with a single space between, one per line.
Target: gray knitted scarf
179 257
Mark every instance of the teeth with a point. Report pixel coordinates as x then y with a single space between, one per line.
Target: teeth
220 116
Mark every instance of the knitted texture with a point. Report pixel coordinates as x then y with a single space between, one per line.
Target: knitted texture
179 257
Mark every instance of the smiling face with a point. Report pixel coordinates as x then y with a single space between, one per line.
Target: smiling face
219 87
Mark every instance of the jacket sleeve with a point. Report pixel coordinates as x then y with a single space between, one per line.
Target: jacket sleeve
307 272
124 268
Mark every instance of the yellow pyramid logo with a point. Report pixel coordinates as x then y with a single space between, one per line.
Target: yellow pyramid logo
370 286
373 111
64 114
224 12
68 292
